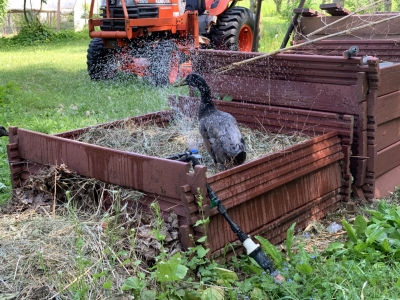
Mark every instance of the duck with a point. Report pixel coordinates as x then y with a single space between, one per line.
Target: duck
3 131
219 130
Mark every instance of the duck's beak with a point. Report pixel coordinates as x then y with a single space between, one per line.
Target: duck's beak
181 82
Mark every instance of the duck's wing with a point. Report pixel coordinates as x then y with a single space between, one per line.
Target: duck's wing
208 139
221 132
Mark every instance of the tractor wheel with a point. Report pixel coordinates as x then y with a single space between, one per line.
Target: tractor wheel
101 63
164 66
234 30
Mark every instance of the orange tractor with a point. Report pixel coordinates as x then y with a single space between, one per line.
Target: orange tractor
157 39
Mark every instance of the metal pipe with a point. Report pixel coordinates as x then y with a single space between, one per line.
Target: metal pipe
291 26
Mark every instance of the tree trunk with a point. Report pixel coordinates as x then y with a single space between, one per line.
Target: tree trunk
58 15
25 15
388 5
278 4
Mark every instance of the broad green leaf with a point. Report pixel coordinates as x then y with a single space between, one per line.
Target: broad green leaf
257 294
361 246
397 284
133 283
201 252
376 214
350 231
180 271
107 285
304 268
202 222
383 207
360 225
227 98
171 270
289 241
213 293
386 245
225 273
202 239
271 250
148 295
334 246
374 235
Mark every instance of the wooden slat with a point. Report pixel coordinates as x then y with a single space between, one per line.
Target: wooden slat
334 9
387 159
303 95
387 134
388 81
306 12
386 183
361 169
387 107
309 25
159 118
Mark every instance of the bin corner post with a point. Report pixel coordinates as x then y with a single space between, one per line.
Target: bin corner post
186 230
14 159
194 194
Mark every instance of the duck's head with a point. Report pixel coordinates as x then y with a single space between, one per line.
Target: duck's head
195 80
3 131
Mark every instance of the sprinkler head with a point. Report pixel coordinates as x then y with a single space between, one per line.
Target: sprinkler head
353 51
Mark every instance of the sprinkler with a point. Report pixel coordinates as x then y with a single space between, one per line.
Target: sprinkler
253 249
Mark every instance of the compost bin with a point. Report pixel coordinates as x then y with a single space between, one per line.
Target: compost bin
367 89
265 196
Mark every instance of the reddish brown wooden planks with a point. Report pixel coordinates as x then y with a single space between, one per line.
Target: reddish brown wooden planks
387 159
140 172
324 181
391 27
389 79
323 97
387 107
387 134
386 183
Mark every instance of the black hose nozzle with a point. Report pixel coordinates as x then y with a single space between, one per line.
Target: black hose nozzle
263 261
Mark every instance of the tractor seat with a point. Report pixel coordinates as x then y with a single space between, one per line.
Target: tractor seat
199 5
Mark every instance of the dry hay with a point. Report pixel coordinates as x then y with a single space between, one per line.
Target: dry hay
181 135
45 252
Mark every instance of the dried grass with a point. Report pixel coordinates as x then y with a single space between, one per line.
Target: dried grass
44 255
181 135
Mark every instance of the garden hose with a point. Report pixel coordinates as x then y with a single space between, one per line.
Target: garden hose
253 249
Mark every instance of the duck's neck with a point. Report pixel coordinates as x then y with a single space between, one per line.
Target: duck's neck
206 104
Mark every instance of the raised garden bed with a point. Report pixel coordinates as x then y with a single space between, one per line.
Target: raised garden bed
264 196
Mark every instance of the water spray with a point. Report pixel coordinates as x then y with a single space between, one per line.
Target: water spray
253 249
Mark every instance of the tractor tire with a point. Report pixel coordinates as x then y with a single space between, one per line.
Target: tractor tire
164 66
234 30
101 63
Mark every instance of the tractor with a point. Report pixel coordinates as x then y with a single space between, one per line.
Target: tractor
158 39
